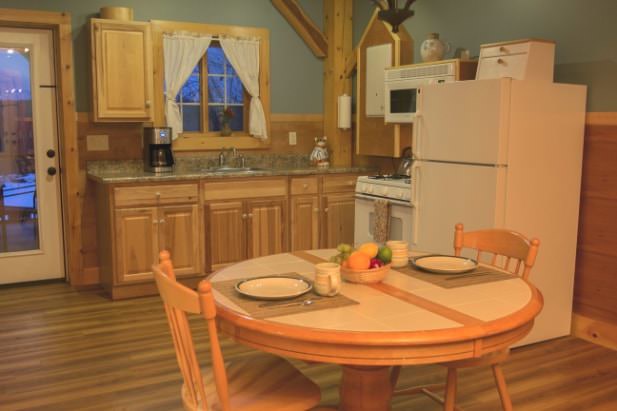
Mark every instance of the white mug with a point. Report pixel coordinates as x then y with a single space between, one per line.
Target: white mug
327 279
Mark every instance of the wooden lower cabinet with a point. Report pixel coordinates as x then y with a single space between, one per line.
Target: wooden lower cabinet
241 229
225 233
136 241
134 223
266 228
242 218
179 233
304 222
338 219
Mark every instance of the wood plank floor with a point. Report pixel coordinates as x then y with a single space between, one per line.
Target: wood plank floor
62 349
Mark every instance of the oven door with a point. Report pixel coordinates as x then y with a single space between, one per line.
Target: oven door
400 220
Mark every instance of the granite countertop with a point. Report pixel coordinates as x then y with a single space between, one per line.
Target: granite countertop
111 172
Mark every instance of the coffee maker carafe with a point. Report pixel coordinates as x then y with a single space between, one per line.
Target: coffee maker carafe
158 157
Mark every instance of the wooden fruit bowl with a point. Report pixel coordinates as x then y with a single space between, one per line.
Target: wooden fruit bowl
367 276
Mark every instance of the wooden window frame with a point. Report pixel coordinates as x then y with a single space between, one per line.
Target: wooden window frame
210 140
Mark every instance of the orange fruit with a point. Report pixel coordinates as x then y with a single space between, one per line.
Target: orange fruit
369 249
359 260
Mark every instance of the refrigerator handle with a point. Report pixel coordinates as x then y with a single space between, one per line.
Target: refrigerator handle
416 134
415 185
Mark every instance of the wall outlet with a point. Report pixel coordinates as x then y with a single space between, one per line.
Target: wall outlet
292 138
97 142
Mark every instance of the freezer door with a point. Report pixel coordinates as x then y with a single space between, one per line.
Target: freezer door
445 194
465 121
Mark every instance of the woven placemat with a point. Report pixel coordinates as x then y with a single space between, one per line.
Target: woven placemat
479 275
276 308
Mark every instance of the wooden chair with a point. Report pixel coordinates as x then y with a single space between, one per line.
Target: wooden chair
507 250
258 383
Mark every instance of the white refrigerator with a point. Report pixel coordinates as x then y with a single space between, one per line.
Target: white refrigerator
508 154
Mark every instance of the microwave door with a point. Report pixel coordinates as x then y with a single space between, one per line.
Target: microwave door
401 101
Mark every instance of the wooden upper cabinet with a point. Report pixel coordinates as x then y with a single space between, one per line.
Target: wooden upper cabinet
122 75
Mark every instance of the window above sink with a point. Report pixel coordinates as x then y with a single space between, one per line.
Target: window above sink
212 87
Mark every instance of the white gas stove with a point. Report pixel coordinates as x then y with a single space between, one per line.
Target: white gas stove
396 188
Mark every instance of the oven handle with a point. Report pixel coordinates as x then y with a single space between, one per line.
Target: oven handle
389 200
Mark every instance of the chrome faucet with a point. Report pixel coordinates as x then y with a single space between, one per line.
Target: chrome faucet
223 155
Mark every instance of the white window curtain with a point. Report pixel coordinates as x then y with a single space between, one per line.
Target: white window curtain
243 55
181 52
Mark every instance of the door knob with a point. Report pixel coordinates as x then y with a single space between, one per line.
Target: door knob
52 171
51 153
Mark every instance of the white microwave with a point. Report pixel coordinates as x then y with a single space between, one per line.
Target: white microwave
402 85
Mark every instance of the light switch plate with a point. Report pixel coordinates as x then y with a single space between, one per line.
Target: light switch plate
292 138
97 142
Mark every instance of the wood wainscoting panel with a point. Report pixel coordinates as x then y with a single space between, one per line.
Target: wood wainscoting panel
595 288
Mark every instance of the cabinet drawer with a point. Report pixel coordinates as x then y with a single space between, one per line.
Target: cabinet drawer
505 66
304 185
252 187
333 184
505 49
155 195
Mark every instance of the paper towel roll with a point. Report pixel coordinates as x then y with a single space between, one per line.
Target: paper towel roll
344 111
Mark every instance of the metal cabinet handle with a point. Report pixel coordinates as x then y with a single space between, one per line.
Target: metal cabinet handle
244 215
325 210
250 215
162 221
147 103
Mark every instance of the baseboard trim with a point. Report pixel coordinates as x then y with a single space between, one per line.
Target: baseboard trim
596 331
597 118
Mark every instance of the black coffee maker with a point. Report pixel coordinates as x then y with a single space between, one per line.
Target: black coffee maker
158 157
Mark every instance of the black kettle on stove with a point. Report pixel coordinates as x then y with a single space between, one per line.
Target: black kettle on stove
404 167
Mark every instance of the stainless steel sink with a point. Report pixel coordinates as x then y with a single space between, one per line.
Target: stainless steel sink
236 170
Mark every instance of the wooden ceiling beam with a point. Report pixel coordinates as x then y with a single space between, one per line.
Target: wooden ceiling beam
351 62
304 26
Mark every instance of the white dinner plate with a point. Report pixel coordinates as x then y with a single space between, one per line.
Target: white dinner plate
273 288
444 264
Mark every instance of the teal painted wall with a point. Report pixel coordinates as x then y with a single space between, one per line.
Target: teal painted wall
584 30
296 75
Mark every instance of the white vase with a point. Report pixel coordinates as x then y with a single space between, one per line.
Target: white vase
433 49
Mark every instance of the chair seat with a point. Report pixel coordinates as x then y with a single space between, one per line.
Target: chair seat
255 381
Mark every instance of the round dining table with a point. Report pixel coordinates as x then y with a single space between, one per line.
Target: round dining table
368 328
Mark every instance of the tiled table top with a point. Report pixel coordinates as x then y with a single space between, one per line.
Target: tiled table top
429 307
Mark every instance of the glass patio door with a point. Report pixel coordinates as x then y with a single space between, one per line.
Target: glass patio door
31 241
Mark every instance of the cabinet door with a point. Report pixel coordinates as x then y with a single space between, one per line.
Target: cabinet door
304 223
136 243
338 219
121 70
225 233
180 235
266 227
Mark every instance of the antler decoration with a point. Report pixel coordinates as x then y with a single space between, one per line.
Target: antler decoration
392 14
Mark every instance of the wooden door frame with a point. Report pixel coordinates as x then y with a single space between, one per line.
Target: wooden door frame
70 178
